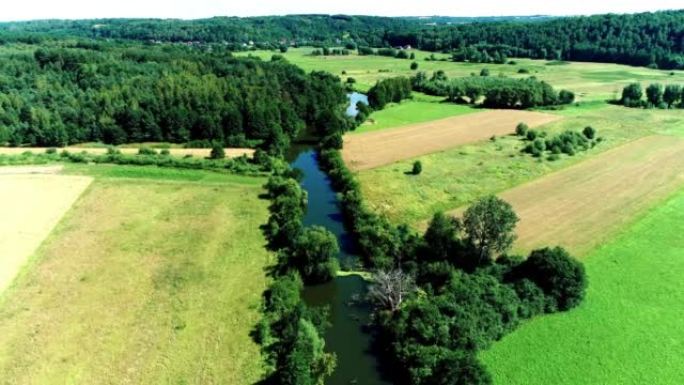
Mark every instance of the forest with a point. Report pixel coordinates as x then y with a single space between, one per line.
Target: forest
59 94
646 39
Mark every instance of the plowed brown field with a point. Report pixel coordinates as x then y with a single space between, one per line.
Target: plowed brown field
374 149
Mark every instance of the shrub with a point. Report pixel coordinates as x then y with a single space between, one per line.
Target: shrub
51 151
484 72
417 168
217 151
532 135
521 129
589 132
146 151
414 66
523 71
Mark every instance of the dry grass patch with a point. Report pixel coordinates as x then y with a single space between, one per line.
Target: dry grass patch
374 149
143 282
31 206
196 152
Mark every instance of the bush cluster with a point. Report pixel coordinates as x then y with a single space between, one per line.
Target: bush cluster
567 142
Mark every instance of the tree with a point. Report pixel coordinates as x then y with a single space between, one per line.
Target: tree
566 97
314 255
417 168
631 95
654 94
389 288
672 94
589 132
489 225
307 363
560 276
217 151
441 236
414 66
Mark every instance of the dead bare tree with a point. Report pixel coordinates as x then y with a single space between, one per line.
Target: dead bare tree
390 288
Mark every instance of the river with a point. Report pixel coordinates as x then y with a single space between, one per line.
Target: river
344 295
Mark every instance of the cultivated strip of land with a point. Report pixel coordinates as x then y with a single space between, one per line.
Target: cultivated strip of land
31 206
198 152
582 205
374 149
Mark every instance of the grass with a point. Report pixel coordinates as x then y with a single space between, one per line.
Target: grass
421 109
628 331
149 279
159 173
590 81
457 177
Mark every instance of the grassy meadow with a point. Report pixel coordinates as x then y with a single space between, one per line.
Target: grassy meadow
590 81
153 277
422 108
628 330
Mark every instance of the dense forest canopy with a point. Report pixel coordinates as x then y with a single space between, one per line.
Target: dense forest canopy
655 39
58 94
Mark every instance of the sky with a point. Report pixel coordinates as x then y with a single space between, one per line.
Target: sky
193 9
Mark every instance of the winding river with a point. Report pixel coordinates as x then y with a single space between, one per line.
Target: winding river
349 314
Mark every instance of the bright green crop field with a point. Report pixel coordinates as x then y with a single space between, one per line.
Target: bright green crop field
628 331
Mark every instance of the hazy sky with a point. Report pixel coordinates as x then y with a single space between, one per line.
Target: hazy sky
190 9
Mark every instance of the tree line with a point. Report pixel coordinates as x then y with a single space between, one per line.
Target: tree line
657 96
492 92
120 93
290 333
644 39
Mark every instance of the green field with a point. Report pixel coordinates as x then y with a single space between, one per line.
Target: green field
590 81
628 331
153 277
456 177
422 108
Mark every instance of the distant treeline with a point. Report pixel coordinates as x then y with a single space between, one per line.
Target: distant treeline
58 94
646 39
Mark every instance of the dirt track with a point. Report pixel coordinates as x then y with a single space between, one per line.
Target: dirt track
31 206
581 206
374 149
198 152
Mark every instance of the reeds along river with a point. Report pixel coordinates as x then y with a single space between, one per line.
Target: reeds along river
344 296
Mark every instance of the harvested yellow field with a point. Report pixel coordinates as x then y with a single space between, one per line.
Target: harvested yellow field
580 207
145 281
374 149
198 152
31 206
